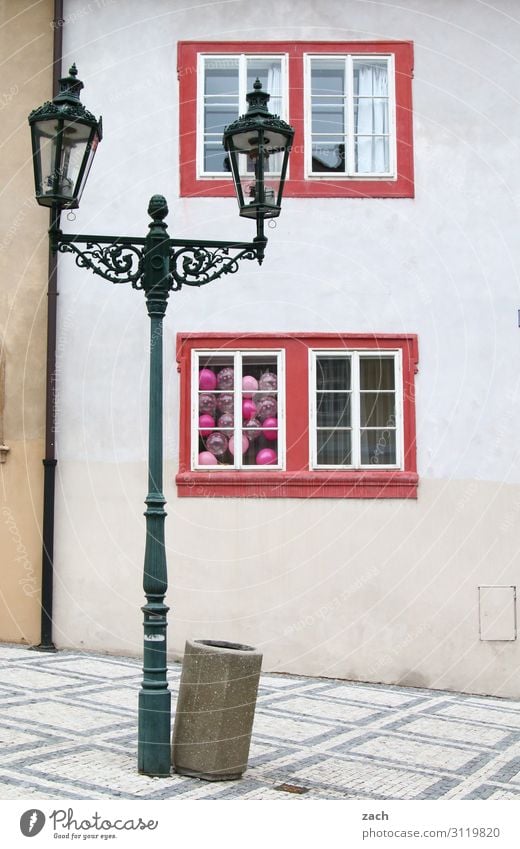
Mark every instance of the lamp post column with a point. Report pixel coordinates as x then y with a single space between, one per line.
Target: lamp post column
154 696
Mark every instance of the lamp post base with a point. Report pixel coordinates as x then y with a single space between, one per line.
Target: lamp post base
153 749
41 647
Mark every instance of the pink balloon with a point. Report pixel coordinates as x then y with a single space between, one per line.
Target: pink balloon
266 457
267 430
267 407
249 385
206 421
248 408
217 443
255 432
226 420
207 403
245 444
268 381
225 378
207 459
225 402
207 379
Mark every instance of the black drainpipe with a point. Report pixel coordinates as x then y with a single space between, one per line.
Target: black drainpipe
49 463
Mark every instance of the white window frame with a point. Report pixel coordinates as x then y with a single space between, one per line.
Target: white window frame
349 173
236 354
355 354
242 91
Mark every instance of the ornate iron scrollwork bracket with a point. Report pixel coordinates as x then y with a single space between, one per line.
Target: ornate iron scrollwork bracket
115 262
194 264
121 259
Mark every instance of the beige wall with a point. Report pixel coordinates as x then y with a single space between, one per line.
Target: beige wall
26 37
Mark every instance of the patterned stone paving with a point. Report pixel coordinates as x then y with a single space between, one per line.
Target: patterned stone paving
68 729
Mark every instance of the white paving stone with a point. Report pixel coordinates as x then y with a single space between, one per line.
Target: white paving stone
287 729
322 709
369 778
27 679
370 695
481 713
61 715
105 668
461 732
413 752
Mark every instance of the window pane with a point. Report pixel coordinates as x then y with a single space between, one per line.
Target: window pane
269 72
218 116
377 373
377 410
215 157
334 448
378 446
213 363
221 76
328 156
328 76
332 372
263 369
371 116
328 118
260 451
221 107
333 409
371 154
371 77
215 409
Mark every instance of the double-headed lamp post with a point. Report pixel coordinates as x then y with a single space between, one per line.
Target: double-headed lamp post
65 136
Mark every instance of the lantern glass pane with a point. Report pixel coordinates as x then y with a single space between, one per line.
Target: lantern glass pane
90 158
75 138
44 133
233 164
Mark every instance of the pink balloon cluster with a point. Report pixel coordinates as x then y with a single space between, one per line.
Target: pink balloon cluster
216 410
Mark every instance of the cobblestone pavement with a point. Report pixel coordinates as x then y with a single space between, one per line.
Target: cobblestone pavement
68 730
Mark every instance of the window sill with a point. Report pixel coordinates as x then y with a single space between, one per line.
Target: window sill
329 186
326 484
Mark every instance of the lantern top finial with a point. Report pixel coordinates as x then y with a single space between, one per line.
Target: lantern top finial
257 100
70 87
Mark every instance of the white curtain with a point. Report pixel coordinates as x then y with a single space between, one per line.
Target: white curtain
372 119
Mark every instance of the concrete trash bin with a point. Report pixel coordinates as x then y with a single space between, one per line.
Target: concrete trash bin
215 709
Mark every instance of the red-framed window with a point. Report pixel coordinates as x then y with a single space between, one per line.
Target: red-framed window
349 102
297 415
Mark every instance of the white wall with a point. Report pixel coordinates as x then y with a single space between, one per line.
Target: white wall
376 591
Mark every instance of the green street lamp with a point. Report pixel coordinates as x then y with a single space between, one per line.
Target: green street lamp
252 143
65 137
